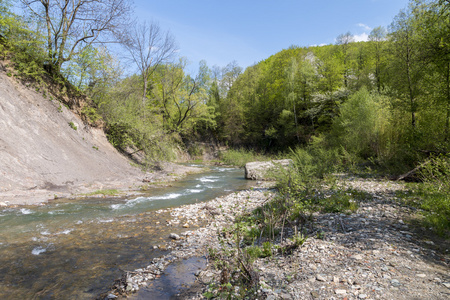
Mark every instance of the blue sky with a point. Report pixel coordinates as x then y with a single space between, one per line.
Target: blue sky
250 31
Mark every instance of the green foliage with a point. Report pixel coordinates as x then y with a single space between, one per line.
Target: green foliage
91 114
241 156
341 201
21 44
107 192
435 192
72 125
238 278
362 128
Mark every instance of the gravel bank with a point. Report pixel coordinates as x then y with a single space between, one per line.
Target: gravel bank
372 254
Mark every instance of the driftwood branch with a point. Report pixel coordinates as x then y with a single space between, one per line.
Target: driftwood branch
409 176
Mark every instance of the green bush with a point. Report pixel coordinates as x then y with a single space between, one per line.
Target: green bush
435 192
240 157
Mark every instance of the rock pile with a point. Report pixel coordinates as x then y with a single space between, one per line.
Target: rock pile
371 254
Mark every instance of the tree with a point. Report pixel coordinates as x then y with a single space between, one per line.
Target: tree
291 98
229 74
71 25
183 98
433 32
148 47
377 37
344 40
406 65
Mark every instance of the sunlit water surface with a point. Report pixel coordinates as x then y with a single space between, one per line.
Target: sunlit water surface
75 249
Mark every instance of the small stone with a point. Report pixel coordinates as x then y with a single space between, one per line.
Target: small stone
421 275
446 284
357 257
186 225
111 296
362 296
395 283
320 278
340 292
315 294
174 236
335 279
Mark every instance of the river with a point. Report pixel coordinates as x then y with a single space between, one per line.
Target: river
75 249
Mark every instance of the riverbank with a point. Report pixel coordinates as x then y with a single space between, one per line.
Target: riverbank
120 187
375 253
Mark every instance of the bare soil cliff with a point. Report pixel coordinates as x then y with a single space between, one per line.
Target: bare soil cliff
42 155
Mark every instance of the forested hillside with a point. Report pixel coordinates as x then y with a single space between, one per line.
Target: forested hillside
385 101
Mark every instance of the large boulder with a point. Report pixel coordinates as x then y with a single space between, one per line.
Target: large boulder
265 170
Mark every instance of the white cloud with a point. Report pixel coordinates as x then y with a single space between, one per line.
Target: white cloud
364 26
363 37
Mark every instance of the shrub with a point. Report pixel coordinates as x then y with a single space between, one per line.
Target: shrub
240 157
435 192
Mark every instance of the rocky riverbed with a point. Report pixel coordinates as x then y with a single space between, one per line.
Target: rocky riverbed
375 253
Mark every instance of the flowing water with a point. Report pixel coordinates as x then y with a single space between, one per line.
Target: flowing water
75 249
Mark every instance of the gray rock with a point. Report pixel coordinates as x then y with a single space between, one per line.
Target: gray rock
174 236
320 278
362 296
261 170
395 283
357 257
111 296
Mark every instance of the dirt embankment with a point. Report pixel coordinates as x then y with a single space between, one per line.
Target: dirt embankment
46 151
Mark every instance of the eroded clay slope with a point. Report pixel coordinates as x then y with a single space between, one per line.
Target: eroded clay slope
42 155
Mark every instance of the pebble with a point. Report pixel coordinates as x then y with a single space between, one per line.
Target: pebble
395 283
174 236
342 265
320 278
314 294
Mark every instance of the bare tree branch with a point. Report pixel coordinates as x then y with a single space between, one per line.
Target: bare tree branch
148 47
71 23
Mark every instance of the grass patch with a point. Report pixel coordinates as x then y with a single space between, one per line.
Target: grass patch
434 205
72 125
106 192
